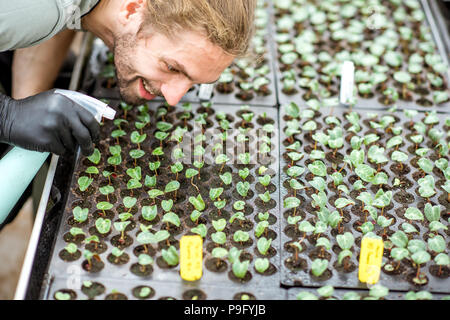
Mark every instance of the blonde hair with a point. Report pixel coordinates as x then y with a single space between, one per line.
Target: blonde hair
228 24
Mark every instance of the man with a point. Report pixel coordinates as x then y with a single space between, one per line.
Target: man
161 48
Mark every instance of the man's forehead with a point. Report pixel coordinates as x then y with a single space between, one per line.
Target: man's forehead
195 56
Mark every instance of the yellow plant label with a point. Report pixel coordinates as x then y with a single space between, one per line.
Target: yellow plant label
370 260
191 257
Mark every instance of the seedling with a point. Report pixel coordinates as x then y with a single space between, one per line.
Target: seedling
170 256
80 215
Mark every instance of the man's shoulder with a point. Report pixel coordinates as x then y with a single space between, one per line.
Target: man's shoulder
24 23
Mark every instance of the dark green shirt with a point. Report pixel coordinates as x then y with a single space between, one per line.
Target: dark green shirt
24 23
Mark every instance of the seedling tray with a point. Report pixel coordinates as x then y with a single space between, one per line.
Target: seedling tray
404 196
328 45
89 198
159 290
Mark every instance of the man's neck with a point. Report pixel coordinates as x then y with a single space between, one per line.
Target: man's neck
99 21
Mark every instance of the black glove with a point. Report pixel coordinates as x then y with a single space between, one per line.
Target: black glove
47 122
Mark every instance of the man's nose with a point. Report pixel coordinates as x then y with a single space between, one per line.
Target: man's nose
175 90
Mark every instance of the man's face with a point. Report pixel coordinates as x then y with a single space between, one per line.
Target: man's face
156 65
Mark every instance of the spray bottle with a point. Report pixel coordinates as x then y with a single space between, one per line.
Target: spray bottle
19 166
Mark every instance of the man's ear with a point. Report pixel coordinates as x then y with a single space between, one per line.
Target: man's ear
130 10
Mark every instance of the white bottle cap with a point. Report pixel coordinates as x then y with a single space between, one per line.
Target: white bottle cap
109 113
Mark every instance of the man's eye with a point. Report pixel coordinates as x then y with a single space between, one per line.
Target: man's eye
171 69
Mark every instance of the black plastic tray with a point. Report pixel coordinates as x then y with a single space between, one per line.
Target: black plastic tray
59 268
369 103
350 280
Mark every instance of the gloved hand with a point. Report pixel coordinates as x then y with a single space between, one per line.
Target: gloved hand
47 122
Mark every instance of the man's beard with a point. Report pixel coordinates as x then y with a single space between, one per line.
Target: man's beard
124 49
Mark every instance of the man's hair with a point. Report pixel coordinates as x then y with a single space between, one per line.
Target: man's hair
228 24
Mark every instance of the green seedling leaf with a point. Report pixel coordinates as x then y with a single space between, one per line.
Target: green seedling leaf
154 193
420 257
172 186
416 245
226 178
95 157
239 205
62 296
201 230
414 214
344 254
306 226
243 188
71 248
318 183
80 215
191 173
92 170
383 222
104 206
365 172
116 252
172 218
219 225
262 264
291 202
318 168
149 213
106 190
425 164
135 173
121 226
129 202
145 260
408 228
84 183
219 253
260 228
378 291
343 202
263 245
125 216
319 266
74 231
170 256
219 237
137 138
197 202
103 226
442 259
214 193
240 268
399 253
167 205
295 171
399 239
437 244
265 197
345 241
195 215
241 236
323 242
